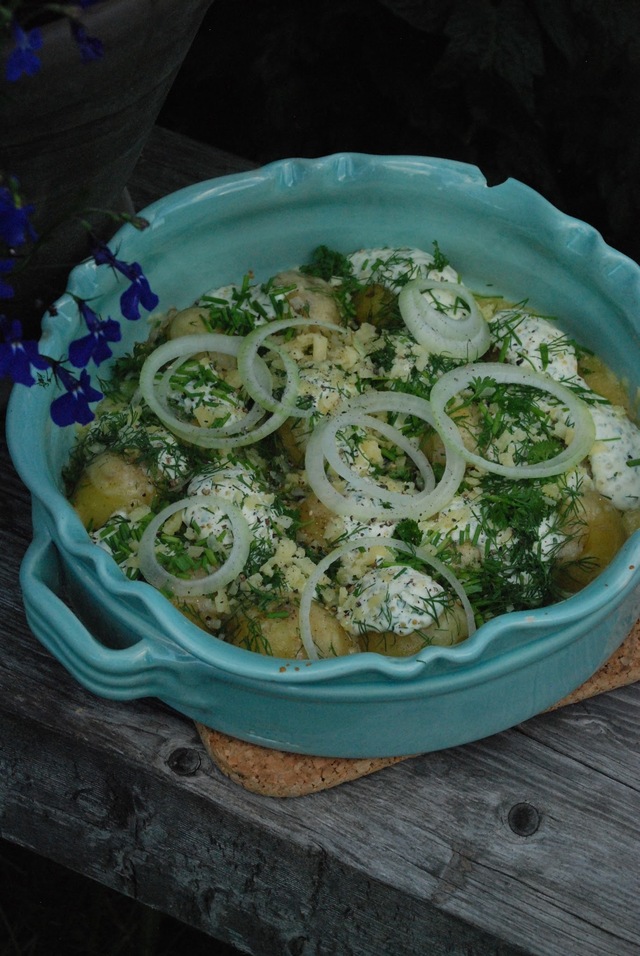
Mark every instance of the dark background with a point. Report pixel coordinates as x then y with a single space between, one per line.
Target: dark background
546 91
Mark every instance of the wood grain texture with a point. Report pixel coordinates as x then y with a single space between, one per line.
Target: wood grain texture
526 842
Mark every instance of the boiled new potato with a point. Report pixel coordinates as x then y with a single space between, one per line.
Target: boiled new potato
311 297
110 483
377 306
294 435
275 631
192 321
314 518
603 381
631 521
597 534
450 628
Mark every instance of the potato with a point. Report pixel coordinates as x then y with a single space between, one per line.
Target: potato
192 321
294 434
602 380
598 533
314 517
450 628
377 306
275 631
311 298
631 521
192 615
432 445
110 483
490 304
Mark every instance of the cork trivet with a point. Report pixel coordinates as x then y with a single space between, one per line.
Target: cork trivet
277 773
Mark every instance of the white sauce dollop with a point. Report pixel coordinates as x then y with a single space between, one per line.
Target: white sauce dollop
617 442
239 486
392 268
398 599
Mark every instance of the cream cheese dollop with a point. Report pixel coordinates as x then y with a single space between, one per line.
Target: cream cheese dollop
392 268
617 443
397 598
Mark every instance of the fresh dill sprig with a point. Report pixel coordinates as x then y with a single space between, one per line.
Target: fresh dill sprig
327 264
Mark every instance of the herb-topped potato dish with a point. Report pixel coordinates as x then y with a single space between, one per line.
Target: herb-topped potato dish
359 454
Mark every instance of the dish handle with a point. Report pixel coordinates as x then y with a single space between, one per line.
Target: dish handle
118 674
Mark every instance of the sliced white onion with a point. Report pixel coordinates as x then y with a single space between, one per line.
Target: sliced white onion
366 483
245 424
248 354
309 590
159 577
458 379
412 504
225 437
431 320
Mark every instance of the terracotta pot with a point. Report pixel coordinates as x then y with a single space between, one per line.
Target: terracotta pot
73 133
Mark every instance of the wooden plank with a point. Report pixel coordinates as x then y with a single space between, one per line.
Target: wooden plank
526 842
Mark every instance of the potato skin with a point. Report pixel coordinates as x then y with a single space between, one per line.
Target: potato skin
294 434
599 534
631 521
110 483
191 321
451 628
378 306
314 518
312 297
275 632
603 381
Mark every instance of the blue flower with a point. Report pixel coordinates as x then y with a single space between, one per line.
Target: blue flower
18 358
91 48
6 290
95 344
139 292
15 227
73 406
23 58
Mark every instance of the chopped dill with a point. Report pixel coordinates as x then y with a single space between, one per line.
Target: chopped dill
440 261
384 357
327 264
407 530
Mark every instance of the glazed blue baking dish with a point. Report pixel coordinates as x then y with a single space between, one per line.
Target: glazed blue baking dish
124 640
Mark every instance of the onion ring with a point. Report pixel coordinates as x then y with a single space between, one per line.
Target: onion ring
434 327
160 578
454 381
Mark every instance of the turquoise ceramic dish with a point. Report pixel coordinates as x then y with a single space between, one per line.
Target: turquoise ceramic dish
123 640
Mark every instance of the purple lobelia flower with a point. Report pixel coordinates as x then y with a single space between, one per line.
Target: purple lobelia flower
73 405
23 59
6 290
139 292
15 225
18 358
95 345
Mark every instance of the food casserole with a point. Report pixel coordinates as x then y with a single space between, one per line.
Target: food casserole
122 639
